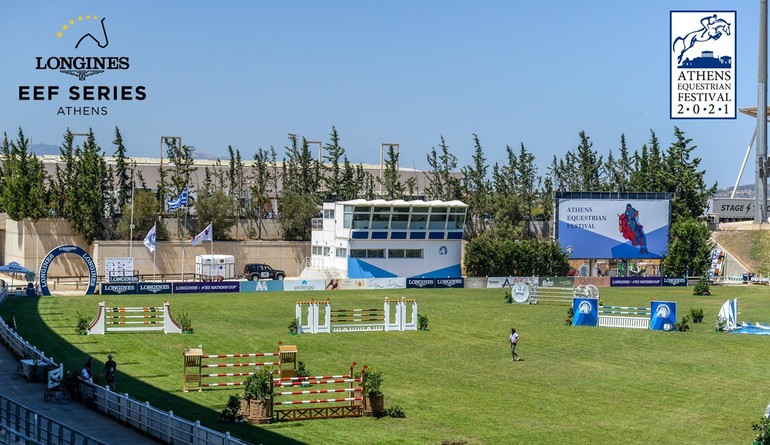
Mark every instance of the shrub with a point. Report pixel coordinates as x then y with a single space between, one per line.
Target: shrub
373 382
184 321
702 288
293 326
570 314
232 410
721 323
81 328
763 428
508 297
682 326
696 315
422 322
396 412
301 370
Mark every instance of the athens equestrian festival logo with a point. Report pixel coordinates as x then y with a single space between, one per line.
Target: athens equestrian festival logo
80 52
702 58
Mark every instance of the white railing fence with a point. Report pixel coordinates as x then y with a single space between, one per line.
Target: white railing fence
20 424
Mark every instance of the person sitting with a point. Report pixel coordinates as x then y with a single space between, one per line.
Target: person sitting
86 374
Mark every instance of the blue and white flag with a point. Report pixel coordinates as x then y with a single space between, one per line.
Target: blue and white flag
206 235
149 240
179 201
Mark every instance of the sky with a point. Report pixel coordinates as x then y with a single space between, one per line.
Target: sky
248 73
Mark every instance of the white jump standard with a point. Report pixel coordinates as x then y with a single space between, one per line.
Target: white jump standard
134 319
308 314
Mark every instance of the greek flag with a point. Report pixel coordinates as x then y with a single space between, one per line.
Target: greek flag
179 201
149 240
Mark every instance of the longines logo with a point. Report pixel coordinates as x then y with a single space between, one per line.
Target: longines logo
86 35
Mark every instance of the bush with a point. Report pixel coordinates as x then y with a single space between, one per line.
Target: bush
763 428
293 326
257 385
373 382
682 326
81 328
702 288
422 322
508 297
184 321
301 370
570 314
696 315
396 412
232 410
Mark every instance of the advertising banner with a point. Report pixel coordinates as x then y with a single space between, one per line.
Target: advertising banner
475 283
556 282
345 284
663 314
420 283
674 281
262 286
614 228
498 282
635 281
386 283
206 287
450 282
118 288
302 285
153 288
733 208
124 279
586 312
596 281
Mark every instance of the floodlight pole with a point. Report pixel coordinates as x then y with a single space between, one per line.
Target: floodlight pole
760 186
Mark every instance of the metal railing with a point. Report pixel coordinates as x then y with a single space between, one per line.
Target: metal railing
163 425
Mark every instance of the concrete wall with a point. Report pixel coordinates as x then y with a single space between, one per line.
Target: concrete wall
28 243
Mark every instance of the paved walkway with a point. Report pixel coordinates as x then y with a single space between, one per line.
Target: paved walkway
74 415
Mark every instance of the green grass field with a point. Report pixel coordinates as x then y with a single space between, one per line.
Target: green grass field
455 382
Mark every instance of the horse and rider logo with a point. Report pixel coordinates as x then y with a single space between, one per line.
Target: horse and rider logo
712 29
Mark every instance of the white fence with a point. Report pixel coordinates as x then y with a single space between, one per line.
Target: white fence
20 424
163 425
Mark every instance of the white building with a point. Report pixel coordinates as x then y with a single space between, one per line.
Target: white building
381 239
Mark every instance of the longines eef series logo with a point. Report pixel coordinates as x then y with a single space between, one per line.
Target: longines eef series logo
81 54
702 57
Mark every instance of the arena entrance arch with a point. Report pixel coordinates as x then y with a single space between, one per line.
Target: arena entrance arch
56 251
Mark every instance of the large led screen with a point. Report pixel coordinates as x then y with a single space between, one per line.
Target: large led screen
613 228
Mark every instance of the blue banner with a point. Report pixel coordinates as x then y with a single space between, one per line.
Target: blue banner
674 281
153 288
118 288
586 312
420 283
262 286
663 315
207 287
635 281
450 282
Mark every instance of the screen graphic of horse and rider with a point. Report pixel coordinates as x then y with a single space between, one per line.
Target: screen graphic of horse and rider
614 228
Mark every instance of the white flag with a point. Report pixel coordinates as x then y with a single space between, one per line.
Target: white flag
206 235
149 240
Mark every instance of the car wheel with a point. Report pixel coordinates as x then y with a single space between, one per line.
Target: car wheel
255 278
279 277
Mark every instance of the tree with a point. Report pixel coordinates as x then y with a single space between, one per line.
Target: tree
333 177
90 169
442 183
214 207
23 194
682 178
689 252
122 176
477 189
588 165
295 216
260 180
392 188
145 215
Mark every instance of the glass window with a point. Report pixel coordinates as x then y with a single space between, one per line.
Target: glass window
396 253
418 221
361 220
347 217
436 210
342 252
382 209
456 222
327 251
329 214
437 222
399 221
380 221
357 253
414 253
400 209
375 253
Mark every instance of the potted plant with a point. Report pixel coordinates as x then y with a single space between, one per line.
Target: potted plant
374 401
258 396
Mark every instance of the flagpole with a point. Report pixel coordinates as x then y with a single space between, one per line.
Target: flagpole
153 259
212 242
186 211
131 227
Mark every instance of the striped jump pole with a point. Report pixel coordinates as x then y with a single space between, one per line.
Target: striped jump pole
134 319
196 371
